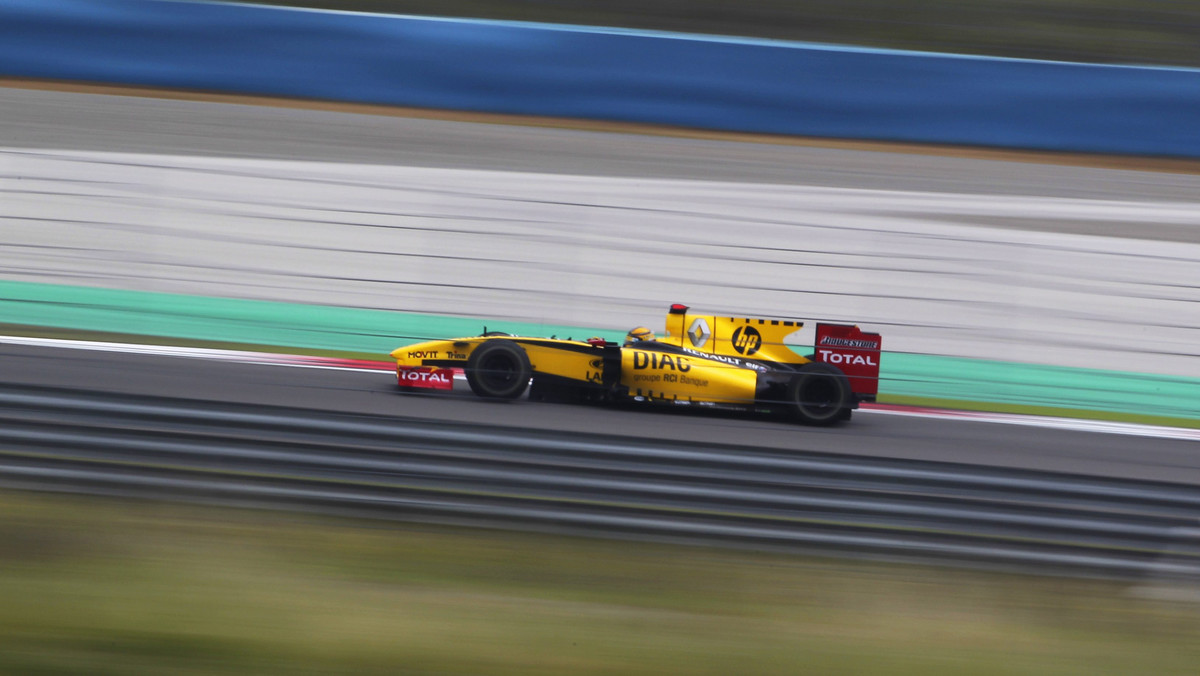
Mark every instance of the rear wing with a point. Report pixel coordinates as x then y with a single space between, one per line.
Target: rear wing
853 351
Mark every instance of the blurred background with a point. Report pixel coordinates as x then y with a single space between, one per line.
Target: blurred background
205 466
1164 32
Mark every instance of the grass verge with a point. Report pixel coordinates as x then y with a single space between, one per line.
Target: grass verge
109 586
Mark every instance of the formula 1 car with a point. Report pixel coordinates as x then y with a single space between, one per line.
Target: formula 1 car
704 360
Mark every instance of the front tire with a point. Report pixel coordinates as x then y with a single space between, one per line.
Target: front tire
498 369
820 394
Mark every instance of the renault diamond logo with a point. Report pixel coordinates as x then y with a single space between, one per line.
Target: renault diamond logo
698 332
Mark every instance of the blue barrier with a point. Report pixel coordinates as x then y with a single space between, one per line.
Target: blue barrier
530 69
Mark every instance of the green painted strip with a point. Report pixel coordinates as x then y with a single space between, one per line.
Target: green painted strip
249 322
1033 385
183 318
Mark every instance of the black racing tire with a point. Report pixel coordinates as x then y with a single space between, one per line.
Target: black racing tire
498 369
820 394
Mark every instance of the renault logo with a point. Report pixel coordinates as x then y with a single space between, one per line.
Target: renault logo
698 332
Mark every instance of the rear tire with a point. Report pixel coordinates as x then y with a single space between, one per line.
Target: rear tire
498 369
820 394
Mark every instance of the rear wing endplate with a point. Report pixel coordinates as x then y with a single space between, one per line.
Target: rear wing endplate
853 351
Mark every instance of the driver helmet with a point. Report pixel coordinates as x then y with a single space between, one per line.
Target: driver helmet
639 335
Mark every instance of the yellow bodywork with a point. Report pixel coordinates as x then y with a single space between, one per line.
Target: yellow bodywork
702 358
572 359
659 375
738 338
719 358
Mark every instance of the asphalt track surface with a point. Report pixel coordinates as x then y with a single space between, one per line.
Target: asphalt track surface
64 120
868 434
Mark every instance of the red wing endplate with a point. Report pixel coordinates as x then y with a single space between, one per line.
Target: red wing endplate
854 352
425 377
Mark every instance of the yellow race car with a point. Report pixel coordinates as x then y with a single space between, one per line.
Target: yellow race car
703 360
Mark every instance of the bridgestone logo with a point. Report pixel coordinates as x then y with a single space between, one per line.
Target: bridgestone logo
847 342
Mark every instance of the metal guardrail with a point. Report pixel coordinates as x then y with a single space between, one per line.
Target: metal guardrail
600 485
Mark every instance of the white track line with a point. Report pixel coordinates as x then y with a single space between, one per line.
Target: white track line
244 357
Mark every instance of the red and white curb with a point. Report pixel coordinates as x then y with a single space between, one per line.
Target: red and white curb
375 367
